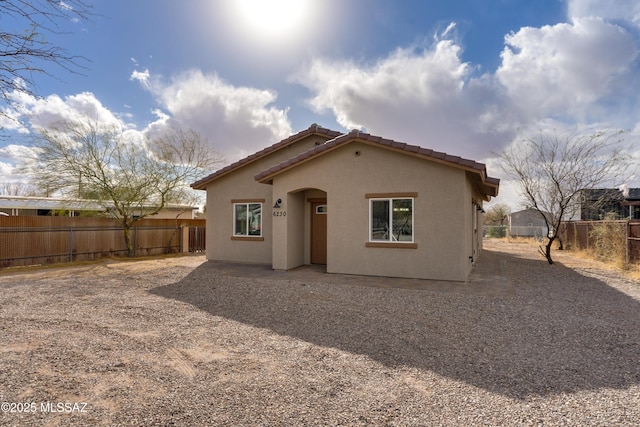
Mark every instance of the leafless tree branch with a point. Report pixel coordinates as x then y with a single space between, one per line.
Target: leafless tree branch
25 51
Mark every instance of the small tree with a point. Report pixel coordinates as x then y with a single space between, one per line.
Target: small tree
131 178
495 219
551 171
497 214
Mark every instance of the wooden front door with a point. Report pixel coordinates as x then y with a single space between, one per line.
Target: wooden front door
319 232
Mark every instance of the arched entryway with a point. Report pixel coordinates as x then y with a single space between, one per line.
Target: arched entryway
300 228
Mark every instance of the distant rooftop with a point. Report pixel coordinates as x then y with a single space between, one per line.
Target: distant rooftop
54 204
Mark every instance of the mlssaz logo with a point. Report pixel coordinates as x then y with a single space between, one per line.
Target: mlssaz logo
65 407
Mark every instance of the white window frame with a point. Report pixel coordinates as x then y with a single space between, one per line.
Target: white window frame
247 235
391 239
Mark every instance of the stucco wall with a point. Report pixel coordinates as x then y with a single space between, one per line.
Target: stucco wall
242 185
442 212
473 219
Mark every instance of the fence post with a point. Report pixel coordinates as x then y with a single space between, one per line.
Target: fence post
186 243
587 227
70 244
627 247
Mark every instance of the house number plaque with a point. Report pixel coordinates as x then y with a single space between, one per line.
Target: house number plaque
280 213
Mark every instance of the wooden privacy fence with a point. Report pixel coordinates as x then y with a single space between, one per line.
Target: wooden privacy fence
580 235
28 240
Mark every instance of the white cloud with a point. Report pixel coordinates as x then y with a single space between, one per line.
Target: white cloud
579 72
425 97
353 91
51 111
623 10
571 78
29 113
6 170
141 76
565 68
16 152
12 158
447 31
237 121
10 122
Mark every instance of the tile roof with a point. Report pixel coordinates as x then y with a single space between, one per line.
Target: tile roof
488 184
314 129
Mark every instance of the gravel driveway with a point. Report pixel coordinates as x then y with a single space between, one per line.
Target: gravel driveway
179 341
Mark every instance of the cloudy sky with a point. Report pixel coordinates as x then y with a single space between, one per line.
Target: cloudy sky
466 77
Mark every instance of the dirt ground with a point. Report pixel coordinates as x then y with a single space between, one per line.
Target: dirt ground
180 341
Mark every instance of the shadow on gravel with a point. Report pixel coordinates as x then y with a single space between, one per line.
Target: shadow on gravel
562 332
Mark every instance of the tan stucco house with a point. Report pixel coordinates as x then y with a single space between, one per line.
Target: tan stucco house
358 203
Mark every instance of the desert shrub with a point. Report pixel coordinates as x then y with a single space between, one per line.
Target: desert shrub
497 231
608 241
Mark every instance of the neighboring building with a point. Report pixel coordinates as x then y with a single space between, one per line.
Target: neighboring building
527 223
39 206
609 203
360 204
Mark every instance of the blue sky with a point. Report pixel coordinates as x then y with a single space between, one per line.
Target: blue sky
462 76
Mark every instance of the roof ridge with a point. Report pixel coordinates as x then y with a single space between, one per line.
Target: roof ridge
314 128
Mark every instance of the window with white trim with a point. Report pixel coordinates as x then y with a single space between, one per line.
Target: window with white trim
391 220
247 219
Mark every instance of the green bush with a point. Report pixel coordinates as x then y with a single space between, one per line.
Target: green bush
497 231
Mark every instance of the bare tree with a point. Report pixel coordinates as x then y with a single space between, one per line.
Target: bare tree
132 179
24 50
551 171
497 214
17 189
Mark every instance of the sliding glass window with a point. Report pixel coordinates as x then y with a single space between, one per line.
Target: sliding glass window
247 219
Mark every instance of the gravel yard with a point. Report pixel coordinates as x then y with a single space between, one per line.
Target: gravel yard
180 341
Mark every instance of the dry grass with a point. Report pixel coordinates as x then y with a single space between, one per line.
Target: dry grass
525 240
634 271
608 258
